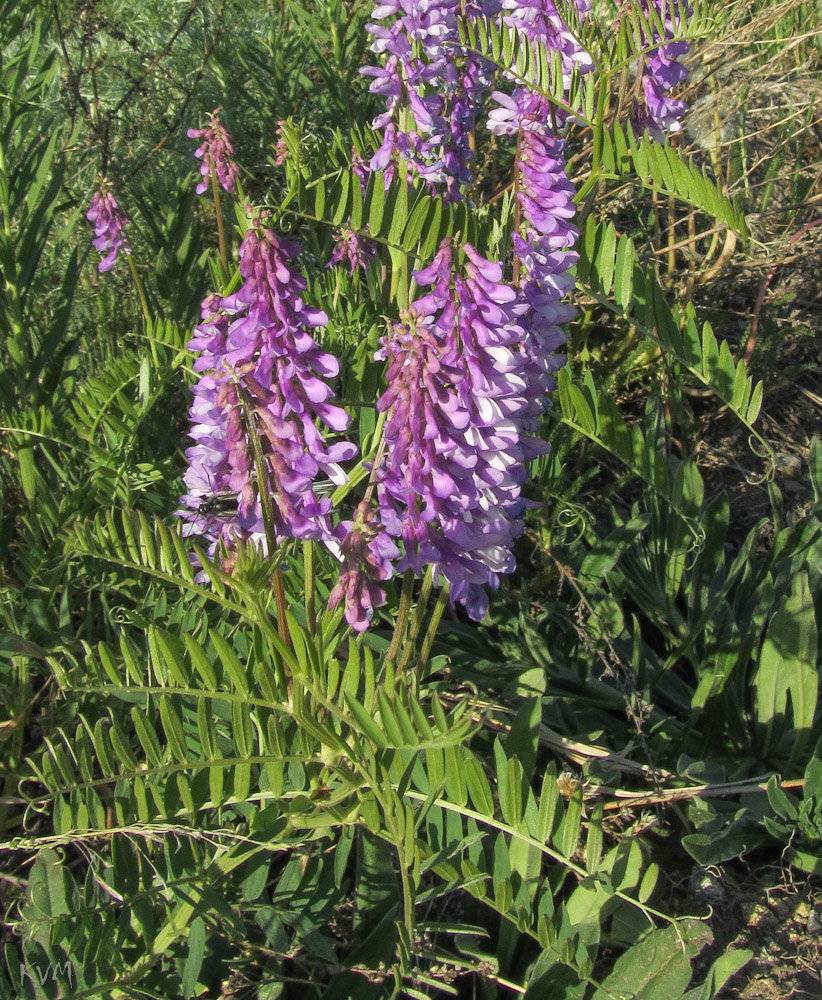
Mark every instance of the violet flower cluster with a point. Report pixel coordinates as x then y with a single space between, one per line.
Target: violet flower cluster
661 73
281 149
217 153
264 375
450 485
432 90
355 248
109 221
368 556
545 196
469 362
541 23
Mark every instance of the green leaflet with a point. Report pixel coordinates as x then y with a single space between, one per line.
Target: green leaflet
662 168
640 300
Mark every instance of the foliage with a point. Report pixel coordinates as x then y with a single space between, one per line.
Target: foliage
210 785
800 825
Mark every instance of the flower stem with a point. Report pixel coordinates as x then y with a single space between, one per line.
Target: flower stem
517 206
140 290
267 508
417 620
215 187
402 616
433 625
310 605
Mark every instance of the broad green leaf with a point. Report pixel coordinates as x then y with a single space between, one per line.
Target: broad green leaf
194 959
658 968
788 666
723 969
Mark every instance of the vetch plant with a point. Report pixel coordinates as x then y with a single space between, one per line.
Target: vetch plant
257 731
262 390
109 223
469 358
450 484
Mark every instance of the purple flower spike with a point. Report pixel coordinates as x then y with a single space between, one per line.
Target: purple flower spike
450 486
108 221
281 150
546 252
368 556
432 88
350 246
661 72
264 375
540 21
216 151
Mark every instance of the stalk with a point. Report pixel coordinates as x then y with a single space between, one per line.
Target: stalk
140 290
268 515
402 616
433 625
215 187
416 623
310 597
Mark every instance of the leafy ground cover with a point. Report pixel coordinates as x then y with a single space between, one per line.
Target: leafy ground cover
215 780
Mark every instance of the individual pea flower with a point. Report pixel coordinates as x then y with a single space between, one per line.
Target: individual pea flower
357 249
217 153
368 555
109 222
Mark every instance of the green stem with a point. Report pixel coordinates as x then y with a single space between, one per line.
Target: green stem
599 140
215 187
404 290
310 605
408 898
140 290
517 206
433 625
267 508
402 616
416 622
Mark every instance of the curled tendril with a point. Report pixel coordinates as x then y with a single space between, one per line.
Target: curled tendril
760 447
700 536
575 515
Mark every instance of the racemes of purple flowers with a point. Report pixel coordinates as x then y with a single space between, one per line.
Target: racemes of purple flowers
368 557
469 362
450 486
217 153
108 221
661 73
354 248
431 86
263 375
